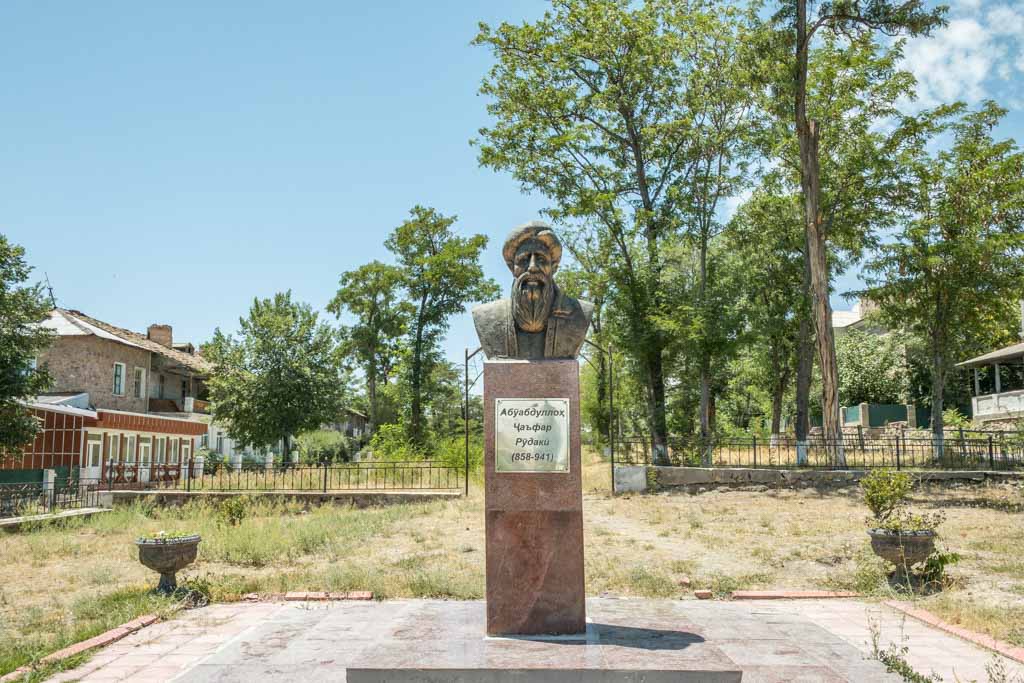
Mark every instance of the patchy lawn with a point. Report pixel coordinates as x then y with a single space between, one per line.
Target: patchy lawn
62 584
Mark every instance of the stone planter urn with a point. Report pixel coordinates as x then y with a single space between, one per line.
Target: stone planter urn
902 548
168 556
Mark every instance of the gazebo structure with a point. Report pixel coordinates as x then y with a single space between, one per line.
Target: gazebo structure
997 387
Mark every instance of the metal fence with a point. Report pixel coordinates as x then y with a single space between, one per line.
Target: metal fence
420 475
991 451
37 498
357 476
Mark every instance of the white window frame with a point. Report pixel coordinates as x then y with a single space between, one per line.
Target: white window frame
114 448
161 449
139 382
129 456
124 370
94 450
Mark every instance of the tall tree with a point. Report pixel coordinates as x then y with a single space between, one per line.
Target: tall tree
372 295
767 235
852 19
22 308
952 273
279 378
621 114
442 274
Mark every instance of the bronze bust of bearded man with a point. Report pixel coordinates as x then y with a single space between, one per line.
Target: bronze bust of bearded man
539 321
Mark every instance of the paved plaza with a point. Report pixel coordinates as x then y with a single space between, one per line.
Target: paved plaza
786 640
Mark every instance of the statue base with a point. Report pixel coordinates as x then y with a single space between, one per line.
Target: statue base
534 515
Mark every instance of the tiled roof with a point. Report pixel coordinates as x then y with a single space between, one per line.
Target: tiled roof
71 323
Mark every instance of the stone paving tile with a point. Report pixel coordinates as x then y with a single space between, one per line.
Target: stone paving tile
784 641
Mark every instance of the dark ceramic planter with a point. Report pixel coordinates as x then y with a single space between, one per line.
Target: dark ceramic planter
903 549
167 557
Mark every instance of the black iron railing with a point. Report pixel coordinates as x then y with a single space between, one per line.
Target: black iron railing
356 476
38 498
992 451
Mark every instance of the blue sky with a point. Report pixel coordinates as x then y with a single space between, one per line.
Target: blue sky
166 162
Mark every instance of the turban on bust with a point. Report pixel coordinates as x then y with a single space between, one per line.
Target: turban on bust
537 230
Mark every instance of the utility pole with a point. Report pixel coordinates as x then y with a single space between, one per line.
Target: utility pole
49 288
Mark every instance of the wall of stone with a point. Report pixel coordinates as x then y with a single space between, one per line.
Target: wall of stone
701 479
86 363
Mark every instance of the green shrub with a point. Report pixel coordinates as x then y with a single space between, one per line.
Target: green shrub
233 510
212 460
390 443
323 446
885 492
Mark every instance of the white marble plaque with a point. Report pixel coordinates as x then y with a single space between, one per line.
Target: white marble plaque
531 435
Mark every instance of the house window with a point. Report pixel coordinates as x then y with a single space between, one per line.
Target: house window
118 379
162 382
220 444
130 456
161 450
184 390
114 448
139 386
174 450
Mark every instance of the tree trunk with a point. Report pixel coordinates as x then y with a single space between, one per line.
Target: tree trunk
705 360
817 250
286 452
705 412
656 407
938 391
804 368
371 389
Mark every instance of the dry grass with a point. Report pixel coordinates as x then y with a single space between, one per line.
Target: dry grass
58 585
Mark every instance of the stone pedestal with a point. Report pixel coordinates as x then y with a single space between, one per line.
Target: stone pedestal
534 519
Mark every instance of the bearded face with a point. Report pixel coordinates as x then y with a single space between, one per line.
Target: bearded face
533 289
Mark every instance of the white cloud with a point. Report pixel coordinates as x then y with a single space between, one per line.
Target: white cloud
1003 20
953 63
979 54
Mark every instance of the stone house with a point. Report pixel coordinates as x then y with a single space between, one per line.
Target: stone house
125 370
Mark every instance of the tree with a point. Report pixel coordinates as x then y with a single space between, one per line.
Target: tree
279 378
954 271
442 274
372 294
872 368
22 308
852 19
624 116
767 235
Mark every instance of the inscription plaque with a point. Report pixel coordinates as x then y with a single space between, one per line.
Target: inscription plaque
531 435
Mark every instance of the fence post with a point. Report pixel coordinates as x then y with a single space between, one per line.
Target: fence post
897 452
991 455
110 477
754 440
191 468
325 477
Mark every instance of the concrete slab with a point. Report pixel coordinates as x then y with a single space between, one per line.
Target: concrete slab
773 641
13 523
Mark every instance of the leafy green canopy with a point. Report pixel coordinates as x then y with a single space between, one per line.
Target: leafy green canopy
628 117
22 308
441 275
953 273
372 294
281 376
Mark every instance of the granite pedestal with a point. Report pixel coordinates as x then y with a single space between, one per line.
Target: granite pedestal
534 519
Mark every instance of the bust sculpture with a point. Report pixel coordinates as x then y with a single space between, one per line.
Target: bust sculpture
539 320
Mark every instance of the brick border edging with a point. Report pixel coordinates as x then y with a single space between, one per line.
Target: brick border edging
988 642
102 640
321 596
778 595
791 595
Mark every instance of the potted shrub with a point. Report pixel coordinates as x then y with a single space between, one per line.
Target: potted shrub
167 554
898 535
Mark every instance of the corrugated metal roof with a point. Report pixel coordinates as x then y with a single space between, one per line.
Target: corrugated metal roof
1012 351
74 323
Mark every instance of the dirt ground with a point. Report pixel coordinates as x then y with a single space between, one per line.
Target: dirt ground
58 585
